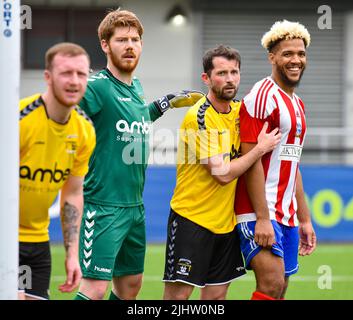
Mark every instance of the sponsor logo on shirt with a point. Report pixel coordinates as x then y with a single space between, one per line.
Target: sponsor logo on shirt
135 127
234 154
51 175
290 152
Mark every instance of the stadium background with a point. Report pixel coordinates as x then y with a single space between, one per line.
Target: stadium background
171 61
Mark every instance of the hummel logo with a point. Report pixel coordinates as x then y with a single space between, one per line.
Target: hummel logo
90 214
222 132
88 234
89 225
124 99
88 244
87 254
86 263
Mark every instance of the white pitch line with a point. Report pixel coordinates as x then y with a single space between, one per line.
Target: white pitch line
343 249
246 278
334 249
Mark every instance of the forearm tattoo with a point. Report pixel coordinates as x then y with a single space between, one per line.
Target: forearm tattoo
69 216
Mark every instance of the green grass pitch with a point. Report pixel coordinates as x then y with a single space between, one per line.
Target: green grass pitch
326 274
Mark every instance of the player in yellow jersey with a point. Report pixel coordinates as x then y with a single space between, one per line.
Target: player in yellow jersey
56 141
202 246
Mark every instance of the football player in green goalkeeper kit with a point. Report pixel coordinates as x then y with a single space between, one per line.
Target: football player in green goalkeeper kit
112 239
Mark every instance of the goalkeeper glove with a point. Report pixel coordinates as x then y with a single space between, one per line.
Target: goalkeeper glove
184 98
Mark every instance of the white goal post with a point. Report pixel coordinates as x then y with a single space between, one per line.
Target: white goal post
9 146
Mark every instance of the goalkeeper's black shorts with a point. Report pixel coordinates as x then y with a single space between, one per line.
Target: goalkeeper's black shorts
199 257
34 269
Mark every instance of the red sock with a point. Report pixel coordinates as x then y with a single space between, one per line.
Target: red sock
257 295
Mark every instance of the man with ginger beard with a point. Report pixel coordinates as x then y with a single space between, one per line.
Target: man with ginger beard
113 236
273 218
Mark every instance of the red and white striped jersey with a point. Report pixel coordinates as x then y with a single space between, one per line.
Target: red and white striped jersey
268 102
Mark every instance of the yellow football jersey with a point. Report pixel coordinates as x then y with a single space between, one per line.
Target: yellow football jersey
198 196
49 153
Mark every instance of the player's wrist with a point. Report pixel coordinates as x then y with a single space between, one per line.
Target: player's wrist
304 221
162 104
260 150
263 217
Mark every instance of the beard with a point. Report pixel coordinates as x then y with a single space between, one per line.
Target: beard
287 81
123 66
222 95
62 100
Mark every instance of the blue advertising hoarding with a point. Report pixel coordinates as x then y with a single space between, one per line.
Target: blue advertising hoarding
329 191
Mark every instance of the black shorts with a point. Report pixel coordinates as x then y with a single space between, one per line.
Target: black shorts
34 269
199 257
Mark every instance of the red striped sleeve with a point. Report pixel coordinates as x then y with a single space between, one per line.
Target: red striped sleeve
249 127
265 101
262 103
259 93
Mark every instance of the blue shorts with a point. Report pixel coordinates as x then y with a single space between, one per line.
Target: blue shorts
286 246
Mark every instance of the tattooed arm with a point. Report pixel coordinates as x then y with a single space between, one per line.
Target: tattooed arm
71 213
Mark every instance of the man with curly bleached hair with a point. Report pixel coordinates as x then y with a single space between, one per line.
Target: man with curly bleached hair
285 30
274 222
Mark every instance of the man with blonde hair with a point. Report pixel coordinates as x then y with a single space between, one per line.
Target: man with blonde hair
273 218
56 141
113 236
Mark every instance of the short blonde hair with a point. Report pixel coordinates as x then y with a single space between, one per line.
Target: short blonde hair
285 30
66 49
115 19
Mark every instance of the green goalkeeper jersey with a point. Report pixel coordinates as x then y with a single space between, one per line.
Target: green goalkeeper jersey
122 120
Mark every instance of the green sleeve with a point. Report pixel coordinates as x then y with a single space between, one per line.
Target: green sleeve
154 112
91 102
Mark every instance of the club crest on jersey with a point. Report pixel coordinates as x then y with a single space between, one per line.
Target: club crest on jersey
71 146
298 131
